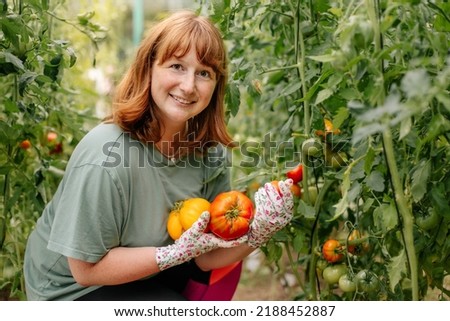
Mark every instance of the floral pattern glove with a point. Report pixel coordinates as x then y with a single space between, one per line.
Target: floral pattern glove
273 212
193 243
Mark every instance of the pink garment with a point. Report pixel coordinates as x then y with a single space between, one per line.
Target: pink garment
222 285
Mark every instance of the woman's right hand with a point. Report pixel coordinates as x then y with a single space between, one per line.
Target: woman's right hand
193 243
274 210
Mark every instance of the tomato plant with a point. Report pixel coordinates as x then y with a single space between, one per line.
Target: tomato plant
357 92
332 251
184 214
45 55
231 214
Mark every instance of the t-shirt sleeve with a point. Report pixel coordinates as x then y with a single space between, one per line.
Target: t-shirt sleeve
217 176
89 214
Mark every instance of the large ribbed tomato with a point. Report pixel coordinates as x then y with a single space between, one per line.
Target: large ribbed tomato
184 214
231 214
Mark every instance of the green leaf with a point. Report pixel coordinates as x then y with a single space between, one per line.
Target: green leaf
299 242
233 98
323 95
306 210
375 181
368 161
385 217
9 57
405 127
341 116
420 176
397 268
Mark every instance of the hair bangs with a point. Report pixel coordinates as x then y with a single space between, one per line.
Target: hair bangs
180 38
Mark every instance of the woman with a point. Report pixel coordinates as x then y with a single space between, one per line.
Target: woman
103 236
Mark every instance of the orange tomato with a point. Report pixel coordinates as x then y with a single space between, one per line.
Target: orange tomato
295 188
231 214
184 214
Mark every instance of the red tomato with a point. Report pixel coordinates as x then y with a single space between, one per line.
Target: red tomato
296 174
332 251
231 213
51 136
26 144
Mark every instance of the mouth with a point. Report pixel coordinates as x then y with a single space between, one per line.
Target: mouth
182 100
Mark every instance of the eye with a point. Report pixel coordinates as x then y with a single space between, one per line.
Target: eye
176 66
205 74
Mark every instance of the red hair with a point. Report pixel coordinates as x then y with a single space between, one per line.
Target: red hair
133 106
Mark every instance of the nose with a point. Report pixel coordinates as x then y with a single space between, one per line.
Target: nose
187 84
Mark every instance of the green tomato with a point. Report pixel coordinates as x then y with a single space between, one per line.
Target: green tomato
347 283
332 273
428 221
367 281
311 147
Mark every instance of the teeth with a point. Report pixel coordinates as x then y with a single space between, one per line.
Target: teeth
181 100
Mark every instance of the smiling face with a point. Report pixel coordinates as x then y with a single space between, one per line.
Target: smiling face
181 88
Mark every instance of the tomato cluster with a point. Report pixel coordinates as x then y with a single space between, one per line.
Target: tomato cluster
336 272
230 215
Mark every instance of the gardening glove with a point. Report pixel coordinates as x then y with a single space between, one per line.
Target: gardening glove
274 211
193 243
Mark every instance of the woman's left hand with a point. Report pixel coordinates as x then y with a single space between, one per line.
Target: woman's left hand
274 210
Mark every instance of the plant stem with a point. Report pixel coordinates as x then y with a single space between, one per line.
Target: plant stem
314 239
405 212
400 198
294 267
300 54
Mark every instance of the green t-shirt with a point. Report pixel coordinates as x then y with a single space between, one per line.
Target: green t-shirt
116 191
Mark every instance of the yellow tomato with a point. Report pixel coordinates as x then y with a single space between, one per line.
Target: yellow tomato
184 214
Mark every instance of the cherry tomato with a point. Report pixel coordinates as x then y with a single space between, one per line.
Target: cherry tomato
231 213
25 144
51 136
296 174
332 251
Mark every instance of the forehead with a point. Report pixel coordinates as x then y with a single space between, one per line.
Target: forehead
208 49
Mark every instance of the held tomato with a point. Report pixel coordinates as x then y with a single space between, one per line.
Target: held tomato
184 214
332 251
295 188
332 273
296 174
231 213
